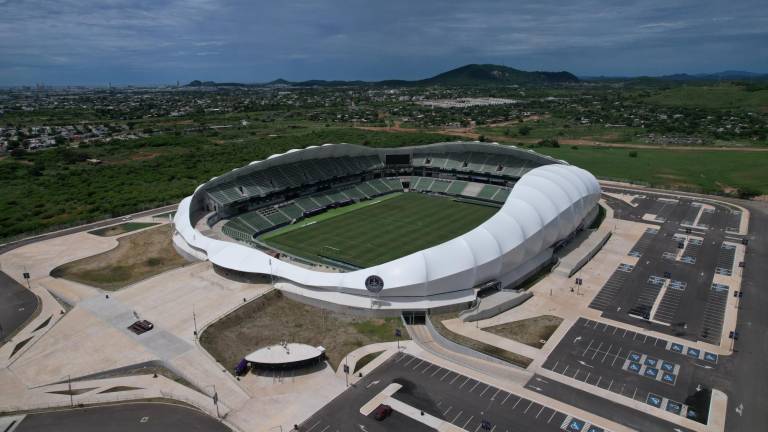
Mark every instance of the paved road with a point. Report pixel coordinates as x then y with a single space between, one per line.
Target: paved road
749 381
19 243
144 417
17 304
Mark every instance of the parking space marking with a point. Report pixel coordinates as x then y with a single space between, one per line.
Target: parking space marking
420 362
527 408
465 381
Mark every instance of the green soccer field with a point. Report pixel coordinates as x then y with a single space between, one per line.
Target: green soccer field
381 232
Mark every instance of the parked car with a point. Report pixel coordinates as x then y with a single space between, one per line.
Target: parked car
382 412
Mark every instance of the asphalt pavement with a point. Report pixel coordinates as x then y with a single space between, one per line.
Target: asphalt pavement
130 417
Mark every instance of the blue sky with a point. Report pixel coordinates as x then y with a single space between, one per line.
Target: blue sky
161 41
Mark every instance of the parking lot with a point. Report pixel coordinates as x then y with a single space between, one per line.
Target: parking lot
647 369
667 283
442 393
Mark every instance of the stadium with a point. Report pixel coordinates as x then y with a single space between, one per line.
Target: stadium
409 228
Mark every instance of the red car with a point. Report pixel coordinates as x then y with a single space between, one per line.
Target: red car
382 412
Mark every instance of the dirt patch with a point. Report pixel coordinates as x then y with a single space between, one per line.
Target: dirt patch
123 228
491 350
532 331
136 257
273 318
144 156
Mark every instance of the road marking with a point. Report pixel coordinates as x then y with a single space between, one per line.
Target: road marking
486 389
436 371
505 399
462 384
465 424
454 378
518 401
588 346
494 395
412 359
457 416
606 353
446 411
414 368
616 357
529 407
597 350
326 428
313 426
426 368
473 387
542 409
583 363
552 416
446 374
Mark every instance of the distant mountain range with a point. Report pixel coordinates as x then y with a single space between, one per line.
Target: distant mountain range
488 75
730 75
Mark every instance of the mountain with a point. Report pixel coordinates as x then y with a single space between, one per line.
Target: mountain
489 74
472 75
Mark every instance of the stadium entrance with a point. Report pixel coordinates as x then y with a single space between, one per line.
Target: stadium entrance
415 317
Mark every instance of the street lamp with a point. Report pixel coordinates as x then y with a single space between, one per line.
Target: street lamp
215 398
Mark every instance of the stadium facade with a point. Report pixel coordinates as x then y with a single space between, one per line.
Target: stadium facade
542 203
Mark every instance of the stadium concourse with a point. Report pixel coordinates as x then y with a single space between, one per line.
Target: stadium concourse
239 221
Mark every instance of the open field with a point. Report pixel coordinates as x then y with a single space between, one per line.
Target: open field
137 257
123 228
705 171
725 96
273 318
382 232
531 331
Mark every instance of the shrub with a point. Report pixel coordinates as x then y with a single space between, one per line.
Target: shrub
633 154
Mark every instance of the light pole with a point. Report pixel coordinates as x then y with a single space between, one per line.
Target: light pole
215 398
69 385
194 320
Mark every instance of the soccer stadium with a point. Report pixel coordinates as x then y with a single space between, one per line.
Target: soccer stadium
396 229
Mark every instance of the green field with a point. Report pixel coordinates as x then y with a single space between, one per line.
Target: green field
711 171
378 233
724 96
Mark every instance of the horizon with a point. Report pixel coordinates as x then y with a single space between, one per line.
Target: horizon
158 43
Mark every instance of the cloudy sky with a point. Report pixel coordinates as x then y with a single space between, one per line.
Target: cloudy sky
161 41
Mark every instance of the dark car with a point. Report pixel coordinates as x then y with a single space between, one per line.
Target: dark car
142 326
382 412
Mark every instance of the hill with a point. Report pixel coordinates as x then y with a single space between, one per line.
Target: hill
471 75
489 74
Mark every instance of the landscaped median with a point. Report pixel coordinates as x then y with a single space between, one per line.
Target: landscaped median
136 257
482 347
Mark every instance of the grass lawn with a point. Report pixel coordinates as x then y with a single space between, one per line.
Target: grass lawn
273 318
136 257
123 228
378 233
531 331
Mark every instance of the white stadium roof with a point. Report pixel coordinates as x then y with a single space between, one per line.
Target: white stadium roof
544 206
